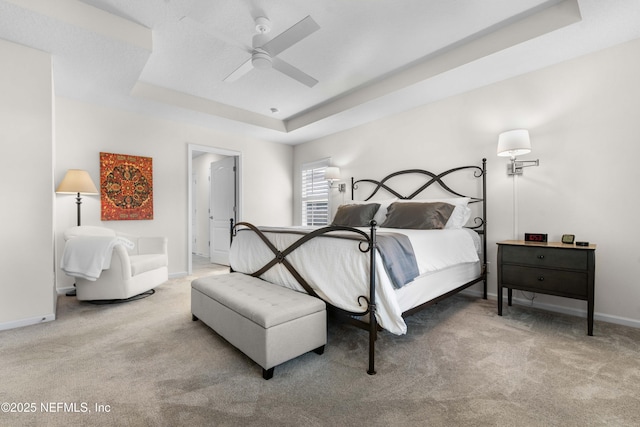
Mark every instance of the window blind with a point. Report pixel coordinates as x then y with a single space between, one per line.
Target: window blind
315 194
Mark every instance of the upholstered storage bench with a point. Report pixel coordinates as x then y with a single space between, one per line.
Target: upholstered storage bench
269 323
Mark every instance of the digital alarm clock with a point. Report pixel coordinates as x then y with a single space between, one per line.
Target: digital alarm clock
535 237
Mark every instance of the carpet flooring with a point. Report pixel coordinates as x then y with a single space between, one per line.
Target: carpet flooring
146 363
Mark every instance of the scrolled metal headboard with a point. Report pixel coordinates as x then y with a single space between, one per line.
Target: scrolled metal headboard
433 178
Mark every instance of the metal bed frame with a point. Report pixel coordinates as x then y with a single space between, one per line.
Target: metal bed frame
367 244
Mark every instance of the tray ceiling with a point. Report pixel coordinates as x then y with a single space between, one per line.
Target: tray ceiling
371 58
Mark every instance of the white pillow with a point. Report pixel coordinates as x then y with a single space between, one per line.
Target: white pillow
381 213
460 215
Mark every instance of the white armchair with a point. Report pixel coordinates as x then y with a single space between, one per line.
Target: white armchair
130 272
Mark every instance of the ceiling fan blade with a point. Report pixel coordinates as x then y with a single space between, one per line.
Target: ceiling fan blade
289 37
240 71
293 72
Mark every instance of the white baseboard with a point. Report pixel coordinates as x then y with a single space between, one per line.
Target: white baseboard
27 322
609 318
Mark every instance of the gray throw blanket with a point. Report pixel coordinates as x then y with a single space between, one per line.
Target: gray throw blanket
398 258
395 250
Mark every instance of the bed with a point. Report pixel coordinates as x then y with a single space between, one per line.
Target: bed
385 256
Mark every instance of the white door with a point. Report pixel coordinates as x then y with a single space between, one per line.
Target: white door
194 211
222 207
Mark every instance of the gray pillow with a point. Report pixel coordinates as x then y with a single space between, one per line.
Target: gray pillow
420 216
355 215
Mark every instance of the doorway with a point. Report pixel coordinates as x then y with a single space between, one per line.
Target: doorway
208 183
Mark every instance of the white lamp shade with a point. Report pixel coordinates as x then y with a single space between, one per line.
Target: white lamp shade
77 181
514 143
332 173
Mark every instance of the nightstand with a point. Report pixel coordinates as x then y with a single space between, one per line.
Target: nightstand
564 270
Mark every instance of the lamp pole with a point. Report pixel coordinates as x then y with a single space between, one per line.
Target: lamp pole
78 202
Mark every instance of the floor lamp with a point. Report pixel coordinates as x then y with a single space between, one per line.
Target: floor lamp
76 181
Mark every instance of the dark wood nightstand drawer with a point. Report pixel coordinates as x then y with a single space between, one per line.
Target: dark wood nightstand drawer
556 282
553 268
541 256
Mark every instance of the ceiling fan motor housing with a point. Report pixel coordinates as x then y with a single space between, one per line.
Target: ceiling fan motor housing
260 59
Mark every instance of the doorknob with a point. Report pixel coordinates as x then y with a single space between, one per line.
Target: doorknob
210 217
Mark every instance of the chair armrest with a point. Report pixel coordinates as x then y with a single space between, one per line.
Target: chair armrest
120 262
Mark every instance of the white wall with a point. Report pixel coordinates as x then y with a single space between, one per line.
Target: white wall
583 119
27 290
84 130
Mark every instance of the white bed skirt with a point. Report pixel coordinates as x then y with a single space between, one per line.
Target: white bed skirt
431 285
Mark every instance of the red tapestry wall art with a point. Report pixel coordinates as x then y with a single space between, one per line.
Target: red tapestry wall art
126 187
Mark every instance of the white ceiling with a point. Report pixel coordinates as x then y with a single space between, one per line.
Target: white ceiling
372 58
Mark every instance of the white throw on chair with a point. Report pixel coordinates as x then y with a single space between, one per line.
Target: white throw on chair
113 266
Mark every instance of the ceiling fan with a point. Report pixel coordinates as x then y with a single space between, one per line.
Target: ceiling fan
264 51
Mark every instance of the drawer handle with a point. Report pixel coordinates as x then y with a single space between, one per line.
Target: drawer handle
541 279
540 256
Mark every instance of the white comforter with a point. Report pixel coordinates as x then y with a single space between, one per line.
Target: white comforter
339 272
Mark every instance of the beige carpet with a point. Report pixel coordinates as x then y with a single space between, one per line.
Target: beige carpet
145 363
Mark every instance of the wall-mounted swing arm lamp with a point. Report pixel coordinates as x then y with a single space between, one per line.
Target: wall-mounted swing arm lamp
514 143
332 174
77 181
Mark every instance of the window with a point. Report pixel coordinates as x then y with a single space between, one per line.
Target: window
315 194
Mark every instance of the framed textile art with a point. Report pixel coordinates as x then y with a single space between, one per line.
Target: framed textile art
126 187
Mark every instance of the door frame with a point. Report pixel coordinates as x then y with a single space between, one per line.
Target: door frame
192 149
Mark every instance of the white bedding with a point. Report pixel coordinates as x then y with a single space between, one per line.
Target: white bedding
339 272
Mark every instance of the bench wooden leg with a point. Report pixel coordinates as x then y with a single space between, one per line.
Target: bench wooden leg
267 374
319 350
